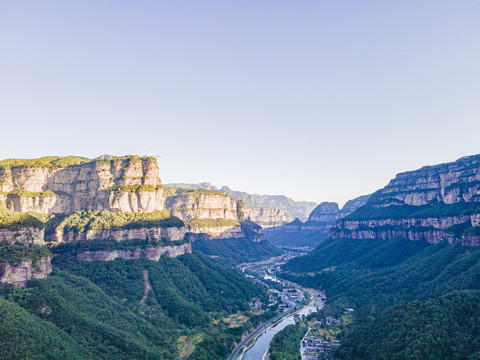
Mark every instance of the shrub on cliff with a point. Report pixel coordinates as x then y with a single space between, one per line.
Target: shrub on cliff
85 220
47 162
202 223
14 253
13 220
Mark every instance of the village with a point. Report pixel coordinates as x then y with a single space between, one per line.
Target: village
321 338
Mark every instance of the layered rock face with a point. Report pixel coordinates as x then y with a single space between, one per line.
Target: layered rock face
112 187
125 184
23 235
296 209
269 216
217 232
243 230
226 214
326 212
266 215
167 234
200 205
150 253
435 204
24 270
446 183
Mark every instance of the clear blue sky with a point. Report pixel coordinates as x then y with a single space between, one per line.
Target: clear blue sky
317 100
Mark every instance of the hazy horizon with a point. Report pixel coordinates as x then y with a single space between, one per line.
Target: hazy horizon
317 101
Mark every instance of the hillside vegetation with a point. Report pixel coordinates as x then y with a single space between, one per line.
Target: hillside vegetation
371 276
295 239
14 253
47 162
12 220
236 250
94 310
286 343
85 220
442 328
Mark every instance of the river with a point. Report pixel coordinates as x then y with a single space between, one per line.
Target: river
258 350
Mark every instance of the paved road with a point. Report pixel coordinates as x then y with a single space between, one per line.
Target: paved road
256 332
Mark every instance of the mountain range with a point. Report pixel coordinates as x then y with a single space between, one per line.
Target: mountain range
408 263
297 209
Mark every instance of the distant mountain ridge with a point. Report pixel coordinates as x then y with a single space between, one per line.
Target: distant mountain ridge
316 228
435 203
298 209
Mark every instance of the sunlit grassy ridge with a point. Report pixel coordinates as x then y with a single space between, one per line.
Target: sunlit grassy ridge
85 220
13 220
47 162
176 191
201 223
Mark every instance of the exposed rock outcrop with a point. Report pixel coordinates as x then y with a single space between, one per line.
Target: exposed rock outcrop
300 209
269 216
326 212
211 215
218 232
200 205
159 233
435 204
22 235
118 184
150 253
247 230
24 270
352 205
449 183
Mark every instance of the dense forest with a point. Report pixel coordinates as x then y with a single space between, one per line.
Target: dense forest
286 343
100 310
443 328
236 250
371 276
287 239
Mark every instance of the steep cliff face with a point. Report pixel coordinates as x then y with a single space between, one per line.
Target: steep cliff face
325 212
199 203
127 184
22 235
213 215
352 205
110 207
150 253
448 183
296 209
21 255
202 205
216 232
159 233
269 216
247 230
436 203
24 270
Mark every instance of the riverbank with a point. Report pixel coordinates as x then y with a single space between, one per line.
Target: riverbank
256 345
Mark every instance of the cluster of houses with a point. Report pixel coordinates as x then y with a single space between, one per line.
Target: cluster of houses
256 304
314 348
332 321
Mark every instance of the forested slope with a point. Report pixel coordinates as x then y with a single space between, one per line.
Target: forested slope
380 279
94 310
